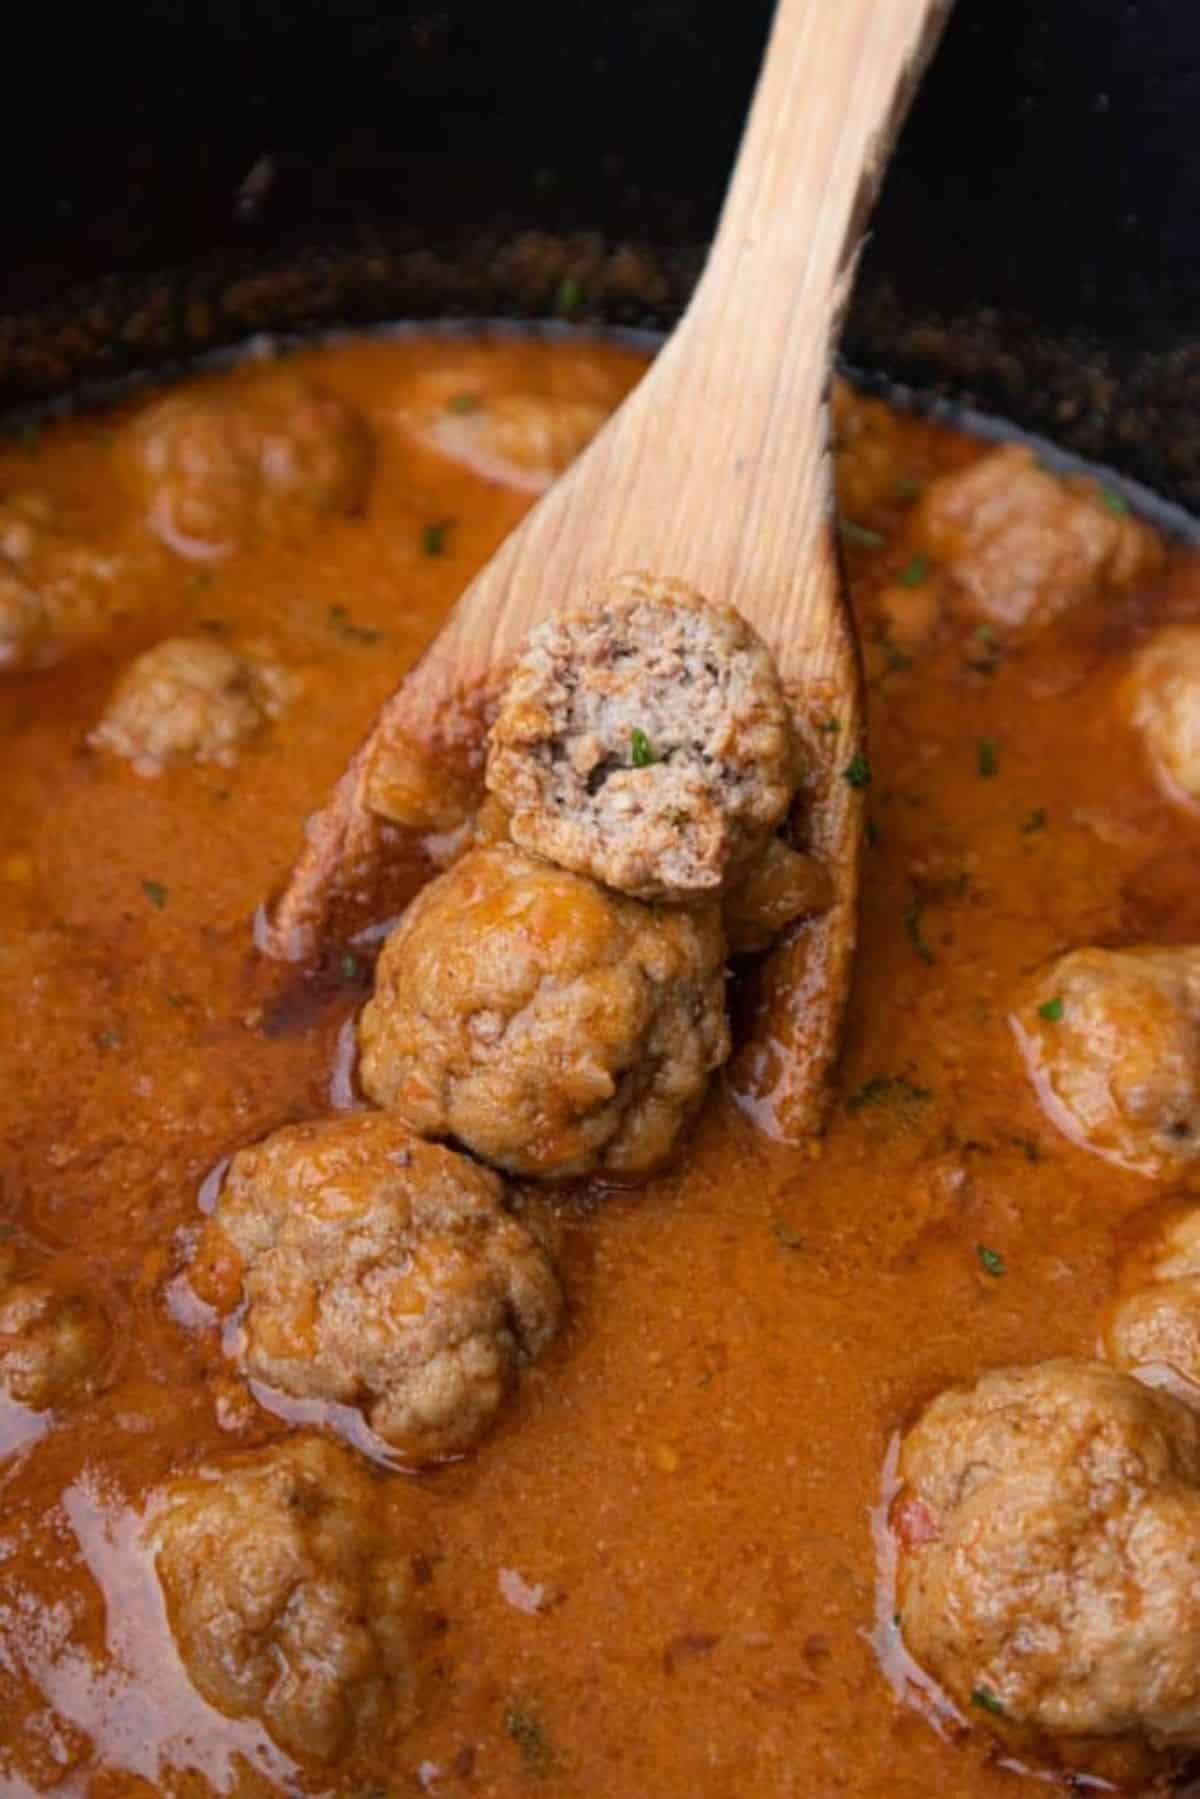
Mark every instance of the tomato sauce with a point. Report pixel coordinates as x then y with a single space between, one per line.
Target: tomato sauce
657 1575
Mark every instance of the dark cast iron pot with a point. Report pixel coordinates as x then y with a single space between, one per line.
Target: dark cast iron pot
177 178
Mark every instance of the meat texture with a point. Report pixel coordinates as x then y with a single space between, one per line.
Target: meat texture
1164 704
1048 1526
379 1272
552 1027
218 469
1022 544
56 590
54 1339
190 699
288 1584
1155 1319
645 741
1112 1041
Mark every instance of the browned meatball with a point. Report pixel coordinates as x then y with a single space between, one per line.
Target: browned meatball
552 1027
267 457
1156 1317
645 741
190 699
1112 1040
55 590
1164 703
1048 1526
380 1272
53 1339
1022 544
287 1578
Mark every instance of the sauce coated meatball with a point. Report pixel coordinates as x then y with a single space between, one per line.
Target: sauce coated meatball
53 1339
190 699
1112 1041
1164 703
1048 1526
1156 1317
287 1580
552 1027
1022 544
645 741
268 458
54 589
382 1273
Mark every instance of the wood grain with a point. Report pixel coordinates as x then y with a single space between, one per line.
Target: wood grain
714 471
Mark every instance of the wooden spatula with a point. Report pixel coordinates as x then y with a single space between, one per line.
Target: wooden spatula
715 471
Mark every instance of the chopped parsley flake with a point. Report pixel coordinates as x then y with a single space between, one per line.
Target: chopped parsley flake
527 1733
887 1088
786 1237
858 771
640 748
463 403
344 625
986 633
987 757
433 536
914 572
1116 502
1034 821
987 1702
912 926
108 1040
1051 1009
155 892
991 1261
871 834
907 487
861 536
830 726
569 297
349 968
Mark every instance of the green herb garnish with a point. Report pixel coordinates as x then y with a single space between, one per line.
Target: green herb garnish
990 1260
861 536
887 1088
527 1733
912 926
1034 821
349 966
786 1237
858 771
914 572
344 625
987 1702
1116 502
1051 1009
640 748
463 403
987 757
830 726
433 536
155 892
569 297
108 1040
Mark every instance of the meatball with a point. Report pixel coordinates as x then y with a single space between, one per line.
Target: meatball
289 1594
553 1028
53 1340
268 456
379 1272
1022 544
1048 1530
1156 1318
521 437
54 588
1112 1041
645 741
1164 703
190 699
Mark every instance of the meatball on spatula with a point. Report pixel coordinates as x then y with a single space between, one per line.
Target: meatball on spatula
714 474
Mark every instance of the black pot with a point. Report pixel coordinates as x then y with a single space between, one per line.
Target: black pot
178 178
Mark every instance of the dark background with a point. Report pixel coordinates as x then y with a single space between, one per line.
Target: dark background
1036 250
